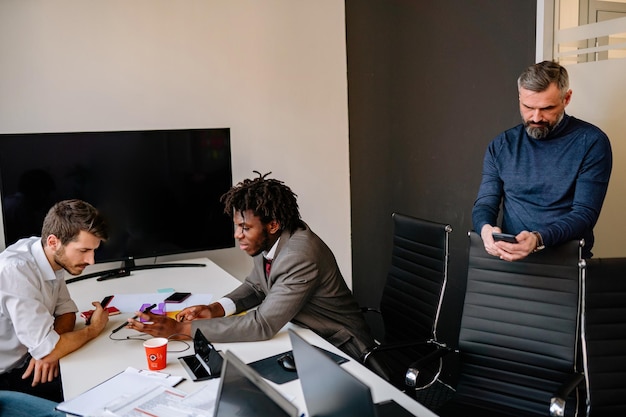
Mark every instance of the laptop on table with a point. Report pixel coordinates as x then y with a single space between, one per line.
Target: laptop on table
244 393
331 391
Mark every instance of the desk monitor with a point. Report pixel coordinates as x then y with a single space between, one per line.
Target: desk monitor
244 393
158 189
331 391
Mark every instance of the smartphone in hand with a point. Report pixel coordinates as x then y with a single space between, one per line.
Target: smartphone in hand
505 237
106 300
104 303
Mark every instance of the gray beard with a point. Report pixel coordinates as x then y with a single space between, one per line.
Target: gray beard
538 132
542 132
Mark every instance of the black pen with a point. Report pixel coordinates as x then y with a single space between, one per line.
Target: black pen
134 318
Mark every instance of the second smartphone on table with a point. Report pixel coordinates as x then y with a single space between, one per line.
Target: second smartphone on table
177 297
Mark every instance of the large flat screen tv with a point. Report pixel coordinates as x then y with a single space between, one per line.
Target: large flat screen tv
159 189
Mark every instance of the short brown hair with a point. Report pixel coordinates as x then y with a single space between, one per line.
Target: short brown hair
67 218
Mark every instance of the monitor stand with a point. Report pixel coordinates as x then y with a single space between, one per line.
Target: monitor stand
127 268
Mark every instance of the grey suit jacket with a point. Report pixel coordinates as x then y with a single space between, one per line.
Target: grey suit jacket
306 287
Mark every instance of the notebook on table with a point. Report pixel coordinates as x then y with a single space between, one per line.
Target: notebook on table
244 393
331 391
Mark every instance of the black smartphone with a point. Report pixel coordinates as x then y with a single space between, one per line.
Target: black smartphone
177 297
504 237
106 300
87 314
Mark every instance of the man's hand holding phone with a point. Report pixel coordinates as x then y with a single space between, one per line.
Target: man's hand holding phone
104 303
507 246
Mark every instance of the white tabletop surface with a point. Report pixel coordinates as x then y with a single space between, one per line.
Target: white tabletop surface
103 358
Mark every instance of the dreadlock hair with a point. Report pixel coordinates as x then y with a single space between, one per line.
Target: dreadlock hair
268 199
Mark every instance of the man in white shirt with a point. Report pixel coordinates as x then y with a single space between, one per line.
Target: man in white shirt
37 315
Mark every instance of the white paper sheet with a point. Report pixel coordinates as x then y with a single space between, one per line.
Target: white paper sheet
129 383
129 303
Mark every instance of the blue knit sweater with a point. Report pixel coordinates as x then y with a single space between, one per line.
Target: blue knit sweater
555 185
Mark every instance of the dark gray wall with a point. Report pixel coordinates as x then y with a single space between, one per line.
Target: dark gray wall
430 83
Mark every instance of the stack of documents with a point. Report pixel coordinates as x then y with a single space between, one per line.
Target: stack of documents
139 393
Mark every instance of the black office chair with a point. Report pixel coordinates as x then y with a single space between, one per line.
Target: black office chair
604 336
519 335
412 297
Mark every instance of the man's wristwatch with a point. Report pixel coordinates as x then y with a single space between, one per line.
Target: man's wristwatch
540 244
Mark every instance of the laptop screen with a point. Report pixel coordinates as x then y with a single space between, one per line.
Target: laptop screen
329 390
244 393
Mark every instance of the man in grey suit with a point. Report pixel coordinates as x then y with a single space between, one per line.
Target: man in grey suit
304 284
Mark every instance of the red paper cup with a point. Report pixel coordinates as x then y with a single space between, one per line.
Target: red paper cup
156 353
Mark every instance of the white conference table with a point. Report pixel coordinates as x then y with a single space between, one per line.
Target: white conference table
103 358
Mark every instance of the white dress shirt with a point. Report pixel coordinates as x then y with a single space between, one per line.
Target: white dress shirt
31 296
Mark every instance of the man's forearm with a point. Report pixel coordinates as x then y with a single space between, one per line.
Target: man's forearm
71 341
65 323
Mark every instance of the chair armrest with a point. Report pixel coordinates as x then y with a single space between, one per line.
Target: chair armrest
392 346
375 320
557 403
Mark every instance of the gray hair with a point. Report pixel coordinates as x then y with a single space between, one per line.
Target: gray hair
538 77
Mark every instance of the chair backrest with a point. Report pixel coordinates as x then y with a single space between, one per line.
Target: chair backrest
417 278
604 336
520 328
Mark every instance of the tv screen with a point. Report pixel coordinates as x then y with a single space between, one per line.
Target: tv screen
159 189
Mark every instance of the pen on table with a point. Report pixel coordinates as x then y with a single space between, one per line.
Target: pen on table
134 318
